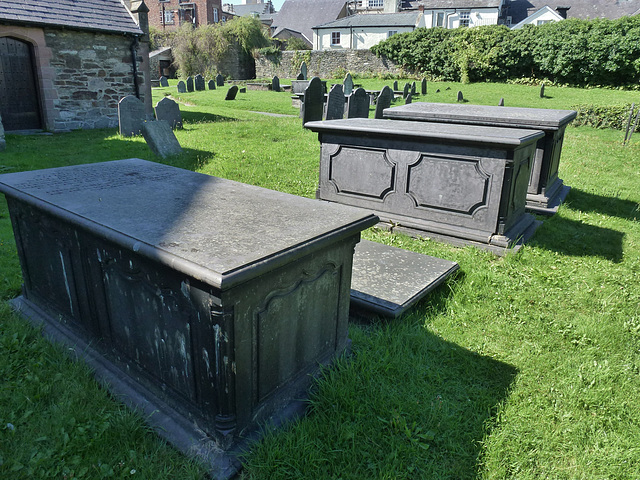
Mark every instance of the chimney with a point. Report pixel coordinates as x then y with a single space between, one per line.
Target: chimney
421 8
562 11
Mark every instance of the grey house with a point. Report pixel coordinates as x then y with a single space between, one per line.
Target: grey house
65 64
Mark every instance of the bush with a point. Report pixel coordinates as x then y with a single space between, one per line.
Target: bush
611 116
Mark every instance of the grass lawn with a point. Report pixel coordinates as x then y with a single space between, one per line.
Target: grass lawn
523 367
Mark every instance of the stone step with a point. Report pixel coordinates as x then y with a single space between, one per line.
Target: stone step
388 280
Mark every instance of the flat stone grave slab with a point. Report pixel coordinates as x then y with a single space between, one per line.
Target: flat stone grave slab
206 303
388 280
545 191
465 184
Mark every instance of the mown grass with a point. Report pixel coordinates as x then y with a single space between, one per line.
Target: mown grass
526 366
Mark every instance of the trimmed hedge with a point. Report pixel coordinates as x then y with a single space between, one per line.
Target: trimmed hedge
612 116
597 52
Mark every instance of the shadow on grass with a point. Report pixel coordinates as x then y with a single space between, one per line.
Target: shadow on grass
611 206
202 117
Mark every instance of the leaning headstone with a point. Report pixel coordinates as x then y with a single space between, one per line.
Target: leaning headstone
131 116
542 91
501 102
384 101
312 105
348 84
169 111
190 87
303 70
300 77
182 88
413 88
199 83
335 103
163 81
406 90
423 86
161 139
231 93
219 80
409 99
211 84
358 104
395 85
275 84
460 98
3 143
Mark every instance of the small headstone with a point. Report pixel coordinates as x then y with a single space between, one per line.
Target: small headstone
161 139
409 99
303 70
501 102
384 101
3 143
231 93
182 87
169 111
413 88
437 90
312 105
164 82
219 80
395 85
199 83
448 88
190 86
358 104
423 86
300 77
406 90
131 116
275 84
335 103
211 84
242 90
460 98
348 84
542 91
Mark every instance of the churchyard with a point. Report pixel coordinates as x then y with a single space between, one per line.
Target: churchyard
520 366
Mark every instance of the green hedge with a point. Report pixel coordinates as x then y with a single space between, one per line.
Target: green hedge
612 116
577 52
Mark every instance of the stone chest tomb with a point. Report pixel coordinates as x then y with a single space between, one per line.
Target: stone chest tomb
206 301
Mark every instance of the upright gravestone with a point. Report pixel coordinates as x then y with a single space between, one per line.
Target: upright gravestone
211 84
300 77
313 101
423 85
169 111
163 81
413 88
275 84
406 90
335 103
231 93
131 116
347 84
161 139
384 101
501 102
303 70
3 143
460 97
190 87
199 83
219 80
395 85
182 88
358 104
409 99
542 91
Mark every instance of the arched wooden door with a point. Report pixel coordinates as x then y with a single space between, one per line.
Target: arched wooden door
19 103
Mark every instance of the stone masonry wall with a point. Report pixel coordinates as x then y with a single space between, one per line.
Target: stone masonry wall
325 64
93 71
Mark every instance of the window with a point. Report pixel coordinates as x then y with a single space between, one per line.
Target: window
542 22
376 3
215 15
335 38
391 33
465 19
509 20
166 17
440 19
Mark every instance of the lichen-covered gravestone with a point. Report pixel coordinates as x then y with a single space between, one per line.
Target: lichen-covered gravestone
169 111
409 99
199 83
335 103
219 80
423 89
212 84
406 90
190 86
161 139
460 97
303 70
384 101
131 116
164 82
542 91
395 85
413 88
275 84
231 93
358 104
348 84
313 101
182 87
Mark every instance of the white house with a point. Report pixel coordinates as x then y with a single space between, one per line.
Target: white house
540 17
363 31
459 13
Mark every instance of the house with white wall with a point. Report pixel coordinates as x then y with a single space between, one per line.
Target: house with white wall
545 15
363 31
458 13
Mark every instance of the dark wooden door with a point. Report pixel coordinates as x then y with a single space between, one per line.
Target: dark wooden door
19 103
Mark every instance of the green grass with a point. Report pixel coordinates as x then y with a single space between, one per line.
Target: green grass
524 367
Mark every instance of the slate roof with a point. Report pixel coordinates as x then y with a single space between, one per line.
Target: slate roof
406 19
259 9
100 15
452 4
612 9
302 15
